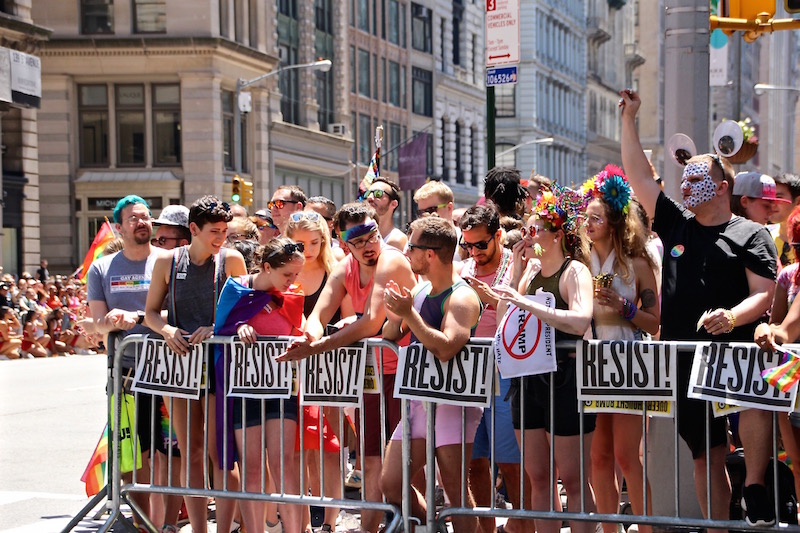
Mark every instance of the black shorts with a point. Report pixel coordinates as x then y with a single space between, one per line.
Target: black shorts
537 402
373 446
253 415
692 415
163 431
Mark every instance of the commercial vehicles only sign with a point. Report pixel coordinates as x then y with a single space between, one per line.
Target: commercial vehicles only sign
502 32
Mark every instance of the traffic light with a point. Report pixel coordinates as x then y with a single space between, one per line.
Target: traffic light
236 188
750 9
247 193
792 6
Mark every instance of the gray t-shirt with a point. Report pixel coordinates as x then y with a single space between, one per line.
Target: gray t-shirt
122 284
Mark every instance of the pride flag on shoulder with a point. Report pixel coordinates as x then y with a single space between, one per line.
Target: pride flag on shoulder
103 237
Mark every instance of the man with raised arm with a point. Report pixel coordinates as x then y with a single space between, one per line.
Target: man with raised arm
713 261
363 276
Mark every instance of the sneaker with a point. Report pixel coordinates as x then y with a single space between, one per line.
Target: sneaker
169 528
325 528
353 479
274 528
755 504
500 501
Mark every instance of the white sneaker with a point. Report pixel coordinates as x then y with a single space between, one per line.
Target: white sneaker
275 528
353 479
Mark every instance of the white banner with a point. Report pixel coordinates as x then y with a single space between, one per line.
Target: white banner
661 408
523 344
730 373
464 380
162 371
254 372
334 378
627 370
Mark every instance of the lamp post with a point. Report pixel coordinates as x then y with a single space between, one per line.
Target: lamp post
547 141
323 64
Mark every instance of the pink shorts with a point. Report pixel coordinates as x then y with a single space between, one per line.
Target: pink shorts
448 423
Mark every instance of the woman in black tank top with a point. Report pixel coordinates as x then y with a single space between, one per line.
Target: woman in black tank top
189 280
552 236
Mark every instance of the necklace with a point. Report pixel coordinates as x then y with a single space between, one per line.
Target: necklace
505 261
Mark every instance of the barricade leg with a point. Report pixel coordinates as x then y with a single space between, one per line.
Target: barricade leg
283 466
186 413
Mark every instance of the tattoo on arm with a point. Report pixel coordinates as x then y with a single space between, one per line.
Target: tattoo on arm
648 297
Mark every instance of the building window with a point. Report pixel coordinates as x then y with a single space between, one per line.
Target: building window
421 28
93 111
130 125
422 91
394 84
166 124
323 16
149 16
394 22
288 8
290 86
396 139
227 133
505 100
363 15
507 160
352 69
458 14
459 167
473 155
376 76
363 73
97 16
364 139
445 168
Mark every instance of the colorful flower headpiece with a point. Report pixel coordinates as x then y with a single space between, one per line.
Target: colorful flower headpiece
611 185
561 207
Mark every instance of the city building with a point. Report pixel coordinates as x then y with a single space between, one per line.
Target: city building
20 97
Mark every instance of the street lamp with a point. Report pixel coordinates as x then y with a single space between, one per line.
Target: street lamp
761 88
323 65
547 141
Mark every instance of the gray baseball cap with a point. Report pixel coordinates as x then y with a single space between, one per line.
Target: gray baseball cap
173 215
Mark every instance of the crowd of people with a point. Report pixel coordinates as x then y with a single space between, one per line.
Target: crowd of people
622 260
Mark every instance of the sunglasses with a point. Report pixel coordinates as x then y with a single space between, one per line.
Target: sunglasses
377 193
531 231
289 249
482 245
161 241
795 245
280 204
268 225
308 215
370 238
412 247
432 209
213 205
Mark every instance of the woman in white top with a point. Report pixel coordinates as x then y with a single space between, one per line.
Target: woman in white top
626 307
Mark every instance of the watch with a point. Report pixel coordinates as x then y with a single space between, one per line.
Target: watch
140 317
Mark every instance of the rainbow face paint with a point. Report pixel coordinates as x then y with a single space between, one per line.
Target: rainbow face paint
357 231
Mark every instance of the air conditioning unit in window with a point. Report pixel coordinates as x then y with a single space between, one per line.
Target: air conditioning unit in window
337 128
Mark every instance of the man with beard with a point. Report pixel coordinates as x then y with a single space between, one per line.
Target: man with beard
363 276
286 200
384 197
720 263
117 290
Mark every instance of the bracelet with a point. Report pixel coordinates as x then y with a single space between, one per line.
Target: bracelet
731 318
628 309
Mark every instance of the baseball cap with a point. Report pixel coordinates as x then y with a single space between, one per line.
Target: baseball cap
755 185
173 215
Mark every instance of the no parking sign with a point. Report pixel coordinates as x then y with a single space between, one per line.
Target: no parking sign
523 344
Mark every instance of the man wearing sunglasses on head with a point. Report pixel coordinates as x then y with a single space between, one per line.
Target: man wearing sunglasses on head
384 197
363 275
286 200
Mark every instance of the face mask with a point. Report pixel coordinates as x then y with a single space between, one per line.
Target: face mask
700 191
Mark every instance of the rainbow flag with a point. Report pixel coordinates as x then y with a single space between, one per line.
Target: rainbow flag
374 170
95 474
103 237
785 375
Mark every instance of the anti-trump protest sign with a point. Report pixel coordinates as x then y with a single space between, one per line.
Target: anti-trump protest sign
730 373
523 344
464 380
162 371
334 378
254 373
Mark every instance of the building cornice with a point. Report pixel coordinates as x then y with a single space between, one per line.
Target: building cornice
10 22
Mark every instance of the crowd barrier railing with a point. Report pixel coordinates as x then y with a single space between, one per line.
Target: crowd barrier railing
615 361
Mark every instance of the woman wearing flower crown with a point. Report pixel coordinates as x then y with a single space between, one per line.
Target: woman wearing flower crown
553 235
625 306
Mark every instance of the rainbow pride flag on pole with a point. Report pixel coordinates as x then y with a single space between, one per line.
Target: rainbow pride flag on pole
785 375
374 170
103 237
95 474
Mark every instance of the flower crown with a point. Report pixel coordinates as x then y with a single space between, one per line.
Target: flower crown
561 207
612 186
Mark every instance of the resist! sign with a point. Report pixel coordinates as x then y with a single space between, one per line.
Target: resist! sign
162 371
334 378
254 372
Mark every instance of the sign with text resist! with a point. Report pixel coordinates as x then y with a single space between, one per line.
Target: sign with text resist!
502 32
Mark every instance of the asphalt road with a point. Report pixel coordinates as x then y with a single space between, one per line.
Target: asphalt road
52 412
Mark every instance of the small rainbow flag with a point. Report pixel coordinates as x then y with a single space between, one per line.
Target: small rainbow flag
95 474
374 170
103 237
785 375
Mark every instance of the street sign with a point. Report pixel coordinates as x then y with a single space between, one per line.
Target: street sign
502 32
501 75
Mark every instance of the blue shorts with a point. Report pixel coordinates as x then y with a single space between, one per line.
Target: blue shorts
506 449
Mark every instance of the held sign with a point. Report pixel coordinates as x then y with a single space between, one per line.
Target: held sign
730 373
626 370
502 32
254 372
463 380
334 378
162 371
523 344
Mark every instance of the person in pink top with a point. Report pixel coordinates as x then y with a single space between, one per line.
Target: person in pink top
363 276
